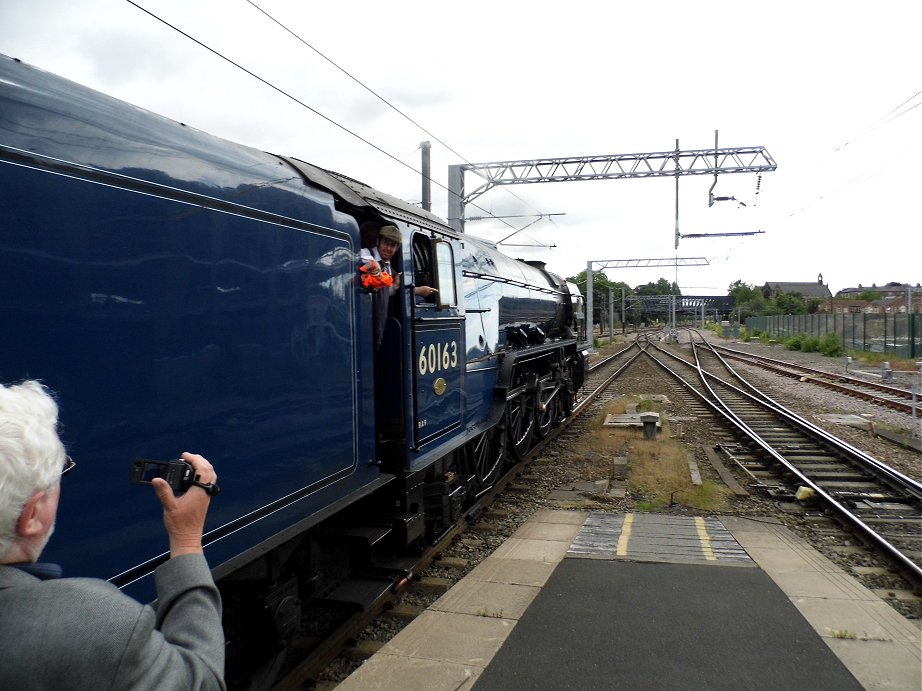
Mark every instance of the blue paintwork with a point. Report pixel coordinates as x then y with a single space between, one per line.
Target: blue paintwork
168 314
528 297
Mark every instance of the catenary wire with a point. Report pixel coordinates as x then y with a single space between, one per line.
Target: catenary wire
864 176
374 93
884 120
300 102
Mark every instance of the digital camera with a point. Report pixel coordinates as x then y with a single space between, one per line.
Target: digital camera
179 474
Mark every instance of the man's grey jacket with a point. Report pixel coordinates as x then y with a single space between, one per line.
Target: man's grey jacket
83 633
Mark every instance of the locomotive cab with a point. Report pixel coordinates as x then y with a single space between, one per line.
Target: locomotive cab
420 363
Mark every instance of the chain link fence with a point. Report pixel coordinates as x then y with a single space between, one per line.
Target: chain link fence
899 335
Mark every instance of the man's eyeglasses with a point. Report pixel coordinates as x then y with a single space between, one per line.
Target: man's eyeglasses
69 465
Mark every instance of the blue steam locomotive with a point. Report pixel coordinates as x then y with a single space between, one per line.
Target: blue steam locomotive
180 292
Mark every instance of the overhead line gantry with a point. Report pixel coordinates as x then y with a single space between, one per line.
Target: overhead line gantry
626 264
744 159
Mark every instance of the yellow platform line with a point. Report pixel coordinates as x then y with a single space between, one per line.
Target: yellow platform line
705 539
625 536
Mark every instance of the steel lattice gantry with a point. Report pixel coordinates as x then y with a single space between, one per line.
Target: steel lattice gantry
746 159
602 264
684 304
630 263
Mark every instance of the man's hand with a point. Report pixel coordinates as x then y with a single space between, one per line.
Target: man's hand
184 516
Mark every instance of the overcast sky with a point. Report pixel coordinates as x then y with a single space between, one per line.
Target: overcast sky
831 89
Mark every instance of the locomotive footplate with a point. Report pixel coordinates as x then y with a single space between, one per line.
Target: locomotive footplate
408 527
363 592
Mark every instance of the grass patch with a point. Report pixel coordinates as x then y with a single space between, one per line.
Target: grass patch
658 471
486 612
847 635
842 633
874 358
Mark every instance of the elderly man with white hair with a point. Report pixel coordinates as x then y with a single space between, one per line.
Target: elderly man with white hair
74 633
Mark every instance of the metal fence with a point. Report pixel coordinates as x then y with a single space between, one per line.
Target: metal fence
899 335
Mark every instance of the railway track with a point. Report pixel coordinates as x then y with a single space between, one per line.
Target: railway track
878 393
323 647
885 512
793 460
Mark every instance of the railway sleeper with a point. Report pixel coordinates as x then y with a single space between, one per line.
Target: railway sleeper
842 486
835 475
811 457
883 503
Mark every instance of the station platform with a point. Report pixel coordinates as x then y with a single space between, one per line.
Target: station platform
591 600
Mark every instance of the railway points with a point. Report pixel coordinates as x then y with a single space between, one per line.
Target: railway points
539 614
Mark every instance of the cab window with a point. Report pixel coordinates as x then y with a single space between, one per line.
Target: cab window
422 260
445 271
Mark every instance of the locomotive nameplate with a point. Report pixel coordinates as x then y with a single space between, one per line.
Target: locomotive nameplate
439 386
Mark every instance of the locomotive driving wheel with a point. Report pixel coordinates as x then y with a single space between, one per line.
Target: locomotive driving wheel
520 416
487 453
548 417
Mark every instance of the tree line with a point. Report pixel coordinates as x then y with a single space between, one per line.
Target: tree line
603 287
749 299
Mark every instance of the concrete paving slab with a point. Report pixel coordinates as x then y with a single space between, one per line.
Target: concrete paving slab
559 532
533 550
456 638
627 420
834 585
567 496
398 673
487 599
850 420
757 533
555 516
515 571
871 620
778 560
892 669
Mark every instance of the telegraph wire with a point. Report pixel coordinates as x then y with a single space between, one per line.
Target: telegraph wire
863 176
299 102
376 95
355 79
269 84
885 120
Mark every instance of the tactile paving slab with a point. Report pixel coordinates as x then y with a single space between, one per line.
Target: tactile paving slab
657 537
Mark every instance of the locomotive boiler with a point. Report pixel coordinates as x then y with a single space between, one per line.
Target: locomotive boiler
177 291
